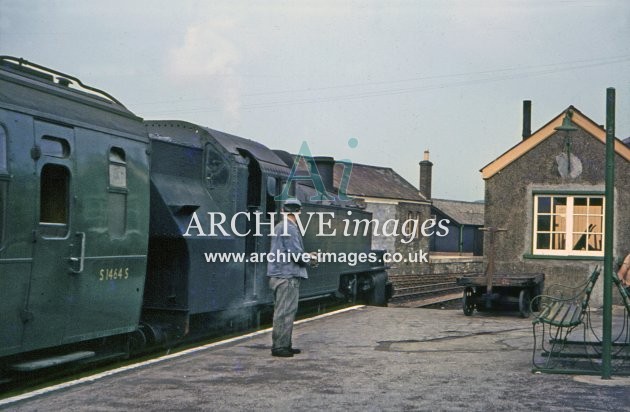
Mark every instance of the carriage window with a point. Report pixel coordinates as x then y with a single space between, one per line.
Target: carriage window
272 191
216 172
54 195
117 168
117 196
55 147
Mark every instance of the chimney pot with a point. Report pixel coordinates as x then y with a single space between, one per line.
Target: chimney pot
326 169
527 118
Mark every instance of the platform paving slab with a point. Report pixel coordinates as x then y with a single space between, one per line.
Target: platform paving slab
367 359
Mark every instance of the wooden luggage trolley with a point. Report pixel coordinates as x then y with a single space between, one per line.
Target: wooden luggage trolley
492 291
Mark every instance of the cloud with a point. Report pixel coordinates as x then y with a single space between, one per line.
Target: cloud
208 59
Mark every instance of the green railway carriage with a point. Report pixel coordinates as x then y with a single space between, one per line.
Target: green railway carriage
74 211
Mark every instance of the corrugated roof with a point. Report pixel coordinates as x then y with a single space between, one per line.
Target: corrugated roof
464 213
374 181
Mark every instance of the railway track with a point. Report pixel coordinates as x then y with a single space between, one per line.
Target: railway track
424 289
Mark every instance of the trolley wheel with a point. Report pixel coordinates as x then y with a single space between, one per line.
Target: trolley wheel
523 303
468 304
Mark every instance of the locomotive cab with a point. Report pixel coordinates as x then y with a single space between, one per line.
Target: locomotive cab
212 209
206 197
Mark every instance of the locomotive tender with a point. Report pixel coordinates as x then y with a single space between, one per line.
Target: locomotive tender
94 206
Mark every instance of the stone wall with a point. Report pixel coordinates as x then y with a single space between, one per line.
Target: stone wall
442 266
463 265
419 244
382 212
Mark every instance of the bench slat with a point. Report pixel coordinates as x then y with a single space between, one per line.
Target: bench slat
554 308
567 312
543 313
568 309
577 316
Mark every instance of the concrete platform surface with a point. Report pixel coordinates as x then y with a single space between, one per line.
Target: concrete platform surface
367 359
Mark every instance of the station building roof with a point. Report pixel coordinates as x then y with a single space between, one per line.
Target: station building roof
578 119
377 182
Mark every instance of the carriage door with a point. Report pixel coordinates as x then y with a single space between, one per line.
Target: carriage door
57 249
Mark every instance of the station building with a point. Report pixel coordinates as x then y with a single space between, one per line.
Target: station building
547 191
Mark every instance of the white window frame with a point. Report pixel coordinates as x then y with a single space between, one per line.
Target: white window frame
569 219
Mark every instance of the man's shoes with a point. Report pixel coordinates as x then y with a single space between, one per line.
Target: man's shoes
282 352
285 352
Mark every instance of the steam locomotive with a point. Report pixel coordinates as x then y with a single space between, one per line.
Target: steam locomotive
96 211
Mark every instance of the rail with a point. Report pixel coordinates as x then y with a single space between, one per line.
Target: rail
424 289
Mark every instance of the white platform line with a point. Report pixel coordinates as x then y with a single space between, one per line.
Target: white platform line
102 375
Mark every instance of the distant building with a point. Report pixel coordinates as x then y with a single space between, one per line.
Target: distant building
548 192
392 200
465 220
389 196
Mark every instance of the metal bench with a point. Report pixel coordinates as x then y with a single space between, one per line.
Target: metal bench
562 310
623 338
621 341
623 291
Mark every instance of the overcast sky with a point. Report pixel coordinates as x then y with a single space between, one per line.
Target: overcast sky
399 76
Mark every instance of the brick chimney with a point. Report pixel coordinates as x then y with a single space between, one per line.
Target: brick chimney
527 119
425 175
